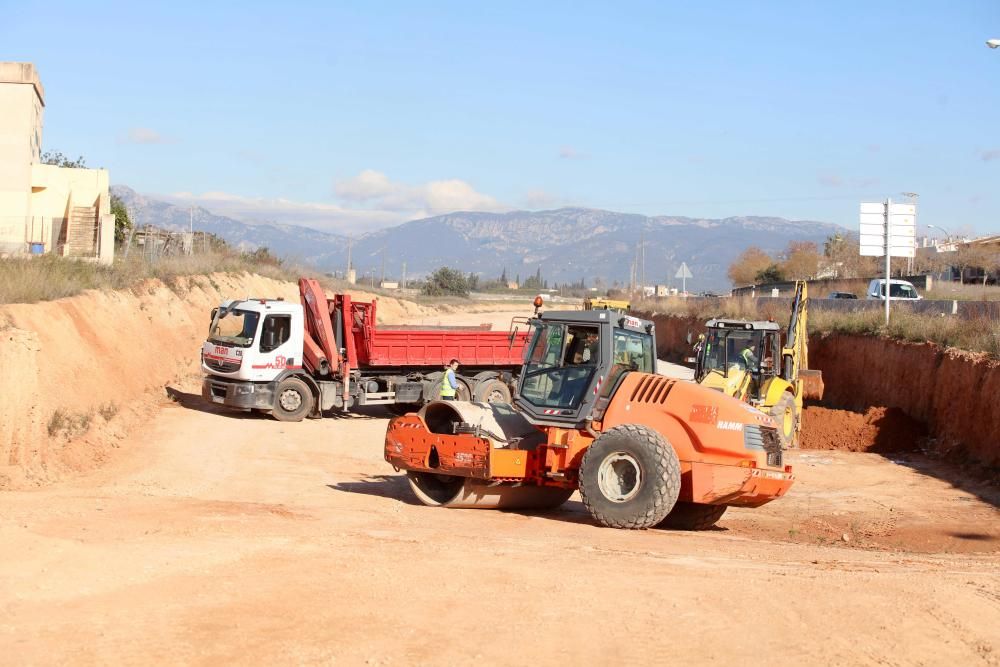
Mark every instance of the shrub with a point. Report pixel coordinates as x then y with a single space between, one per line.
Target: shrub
446 282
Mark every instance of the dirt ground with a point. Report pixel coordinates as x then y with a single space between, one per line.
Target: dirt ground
213 536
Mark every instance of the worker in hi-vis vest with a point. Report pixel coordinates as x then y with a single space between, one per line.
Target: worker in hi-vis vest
449 383
748 357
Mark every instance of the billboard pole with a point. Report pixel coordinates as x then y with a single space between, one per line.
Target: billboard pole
888 257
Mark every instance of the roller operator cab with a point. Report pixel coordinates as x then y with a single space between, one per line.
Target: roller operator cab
590 414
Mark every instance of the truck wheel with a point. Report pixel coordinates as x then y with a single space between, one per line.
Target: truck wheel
293 400
693 516
630 477
492 391
784 413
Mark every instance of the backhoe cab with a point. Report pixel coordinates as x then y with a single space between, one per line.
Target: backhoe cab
762 364
590 414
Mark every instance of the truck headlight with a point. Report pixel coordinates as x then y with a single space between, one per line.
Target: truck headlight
243 389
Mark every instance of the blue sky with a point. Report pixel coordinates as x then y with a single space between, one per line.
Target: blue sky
350 117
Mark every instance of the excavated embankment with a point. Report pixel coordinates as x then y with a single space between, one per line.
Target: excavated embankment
77 373
887 396
953 393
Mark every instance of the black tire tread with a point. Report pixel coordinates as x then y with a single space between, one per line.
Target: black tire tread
307 401
693 516
668 470
777 411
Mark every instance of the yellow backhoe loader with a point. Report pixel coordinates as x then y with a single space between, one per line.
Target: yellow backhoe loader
752 361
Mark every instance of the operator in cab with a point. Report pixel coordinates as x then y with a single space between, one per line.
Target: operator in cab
747 357
449 383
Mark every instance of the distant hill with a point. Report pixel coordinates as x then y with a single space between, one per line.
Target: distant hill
568 244
311 246
574 243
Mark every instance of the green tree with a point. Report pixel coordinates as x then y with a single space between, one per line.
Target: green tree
772 274
263 255
57 159
123 222
446 282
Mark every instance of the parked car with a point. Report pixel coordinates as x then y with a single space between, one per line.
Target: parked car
842 295
899 290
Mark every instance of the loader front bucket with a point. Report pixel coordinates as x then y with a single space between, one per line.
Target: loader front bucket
812 384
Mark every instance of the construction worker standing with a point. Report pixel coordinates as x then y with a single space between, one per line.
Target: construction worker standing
449 383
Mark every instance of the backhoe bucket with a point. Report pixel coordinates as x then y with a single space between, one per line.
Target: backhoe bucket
812 384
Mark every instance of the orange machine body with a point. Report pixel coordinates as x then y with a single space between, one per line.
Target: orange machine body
728 451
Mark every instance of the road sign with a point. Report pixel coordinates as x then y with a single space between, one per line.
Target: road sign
888 230
902 229
684 273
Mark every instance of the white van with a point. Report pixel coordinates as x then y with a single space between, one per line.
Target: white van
899 290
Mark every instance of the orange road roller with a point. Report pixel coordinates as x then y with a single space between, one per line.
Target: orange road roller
589 413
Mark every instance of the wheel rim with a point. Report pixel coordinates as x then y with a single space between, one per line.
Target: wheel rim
496 396
290 400
619 477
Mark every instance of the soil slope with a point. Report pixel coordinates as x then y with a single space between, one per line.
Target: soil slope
77 373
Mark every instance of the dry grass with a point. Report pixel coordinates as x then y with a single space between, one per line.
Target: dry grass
50 277
69 424
960 292
980 334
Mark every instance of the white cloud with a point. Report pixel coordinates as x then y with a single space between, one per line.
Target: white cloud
318 215
367 202
144 135
374 190
992 154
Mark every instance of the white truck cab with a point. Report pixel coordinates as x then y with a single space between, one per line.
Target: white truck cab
899 290
251 344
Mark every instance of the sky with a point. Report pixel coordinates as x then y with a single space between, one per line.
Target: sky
349 117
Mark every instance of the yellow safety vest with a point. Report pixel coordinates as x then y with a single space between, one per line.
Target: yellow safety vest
446 389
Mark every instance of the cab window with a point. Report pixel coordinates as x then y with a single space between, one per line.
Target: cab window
276 331
561 365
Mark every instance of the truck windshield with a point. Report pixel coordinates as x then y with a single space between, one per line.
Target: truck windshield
234 327
561 363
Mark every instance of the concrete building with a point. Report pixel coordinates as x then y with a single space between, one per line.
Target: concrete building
44 208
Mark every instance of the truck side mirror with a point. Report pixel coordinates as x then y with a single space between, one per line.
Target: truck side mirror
215 311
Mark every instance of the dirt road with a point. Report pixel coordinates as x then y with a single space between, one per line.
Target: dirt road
215 536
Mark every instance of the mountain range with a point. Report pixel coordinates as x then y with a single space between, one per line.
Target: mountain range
568 244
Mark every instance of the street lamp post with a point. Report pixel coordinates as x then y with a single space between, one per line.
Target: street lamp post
942 229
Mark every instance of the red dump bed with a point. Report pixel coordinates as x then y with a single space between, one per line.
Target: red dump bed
437 347
341 323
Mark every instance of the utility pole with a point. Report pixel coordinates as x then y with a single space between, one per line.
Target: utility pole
402 283
350 242
191 230
642 262
382 279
